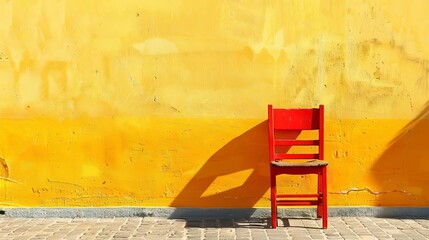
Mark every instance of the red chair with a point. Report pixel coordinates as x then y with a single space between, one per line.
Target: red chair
280 122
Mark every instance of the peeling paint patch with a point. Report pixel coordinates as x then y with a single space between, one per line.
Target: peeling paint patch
366 189
4 168
60 182
9 180
5 171
156 46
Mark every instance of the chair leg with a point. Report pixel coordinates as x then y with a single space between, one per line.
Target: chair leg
273 199
320 192
325 199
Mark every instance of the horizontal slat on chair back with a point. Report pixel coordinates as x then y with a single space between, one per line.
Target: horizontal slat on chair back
296 119
292 142
279 156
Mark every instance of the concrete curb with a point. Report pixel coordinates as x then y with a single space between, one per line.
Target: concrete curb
235 213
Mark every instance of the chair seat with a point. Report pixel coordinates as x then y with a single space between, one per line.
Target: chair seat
309 163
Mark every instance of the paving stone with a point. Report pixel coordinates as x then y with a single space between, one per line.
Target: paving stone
216 229
21 238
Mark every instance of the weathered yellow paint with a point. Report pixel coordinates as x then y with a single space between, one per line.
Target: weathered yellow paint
163 103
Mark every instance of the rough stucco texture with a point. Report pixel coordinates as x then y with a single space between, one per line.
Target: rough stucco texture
163 103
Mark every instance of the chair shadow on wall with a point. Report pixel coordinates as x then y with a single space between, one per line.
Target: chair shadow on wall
249 151
401 171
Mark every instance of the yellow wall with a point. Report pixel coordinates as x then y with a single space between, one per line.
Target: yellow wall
163 102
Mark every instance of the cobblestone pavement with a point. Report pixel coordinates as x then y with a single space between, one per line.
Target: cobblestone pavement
239 229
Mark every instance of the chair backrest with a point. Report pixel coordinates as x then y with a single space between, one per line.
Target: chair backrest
283 120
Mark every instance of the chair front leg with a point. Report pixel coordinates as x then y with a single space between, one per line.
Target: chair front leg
325 198
320 192
273 198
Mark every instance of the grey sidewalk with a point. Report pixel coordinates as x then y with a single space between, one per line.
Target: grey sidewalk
240 229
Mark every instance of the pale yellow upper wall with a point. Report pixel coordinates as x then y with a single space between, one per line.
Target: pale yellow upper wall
363 59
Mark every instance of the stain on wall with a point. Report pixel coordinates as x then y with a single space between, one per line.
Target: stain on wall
134 104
